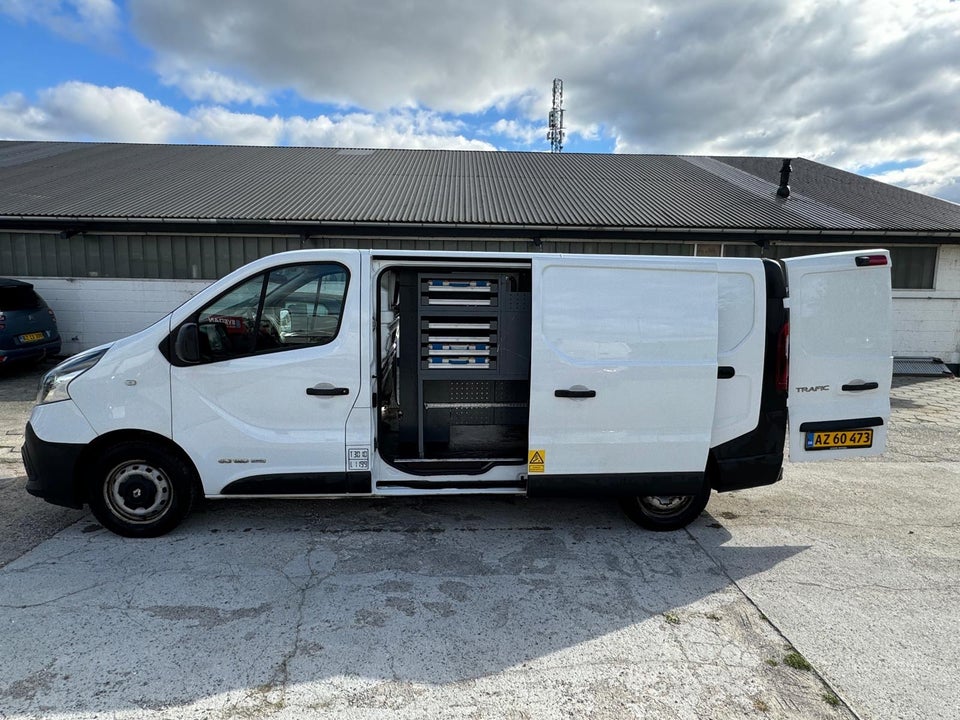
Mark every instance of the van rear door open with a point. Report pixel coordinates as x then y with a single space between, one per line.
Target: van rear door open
623 370
840 354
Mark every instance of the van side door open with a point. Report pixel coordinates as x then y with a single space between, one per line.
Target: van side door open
840 354
623 374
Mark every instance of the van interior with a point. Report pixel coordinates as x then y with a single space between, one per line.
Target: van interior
454 368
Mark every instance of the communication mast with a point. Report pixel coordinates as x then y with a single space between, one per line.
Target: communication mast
555 133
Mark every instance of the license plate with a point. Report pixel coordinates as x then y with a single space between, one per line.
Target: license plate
32 337
838 439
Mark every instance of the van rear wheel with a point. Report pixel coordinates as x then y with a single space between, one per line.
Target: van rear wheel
662 513
138 489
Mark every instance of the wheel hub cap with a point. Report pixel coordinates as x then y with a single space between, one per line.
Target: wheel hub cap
137 491
665 504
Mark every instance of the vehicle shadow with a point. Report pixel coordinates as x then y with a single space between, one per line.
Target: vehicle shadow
249 600
28 369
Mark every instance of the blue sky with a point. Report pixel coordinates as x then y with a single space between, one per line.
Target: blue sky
868 87
54 48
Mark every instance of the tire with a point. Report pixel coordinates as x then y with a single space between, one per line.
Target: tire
663 513
138 489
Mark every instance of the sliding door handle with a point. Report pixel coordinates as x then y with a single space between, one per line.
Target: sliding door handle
327 389
577 391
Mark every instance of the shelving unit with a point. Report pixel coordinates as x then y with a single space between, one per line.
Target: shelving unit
464 367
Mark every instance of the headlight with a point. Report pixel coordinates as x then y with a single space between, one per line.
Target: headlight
53 386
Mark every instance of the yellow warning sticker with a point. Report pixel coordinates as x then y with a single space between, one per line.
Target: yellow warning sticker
536 459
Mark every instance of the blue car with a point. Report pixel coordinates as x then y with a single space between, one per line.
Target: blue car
28 327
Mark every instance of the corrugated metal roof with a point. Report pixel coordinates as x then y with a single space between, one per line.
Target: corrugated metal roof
207 182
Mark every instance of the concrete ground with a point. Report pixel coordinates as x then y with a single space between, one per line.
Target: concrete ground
829 595
24 521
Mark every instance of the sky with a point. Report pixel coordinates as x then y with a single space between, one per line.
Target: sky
870 86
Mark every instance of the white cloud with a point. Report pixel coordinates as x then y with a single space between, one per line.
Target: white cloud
399 129
217 124
80 111
445 54
119 113
90 21
938 175
667 77
521 132
207 84
21 121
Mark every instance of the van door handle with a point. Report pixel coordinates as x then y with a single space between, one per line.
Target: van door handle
860 386
577 391
327 389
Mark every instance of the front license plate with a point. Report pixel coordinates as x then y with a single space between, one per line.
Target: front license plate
838 439
32 337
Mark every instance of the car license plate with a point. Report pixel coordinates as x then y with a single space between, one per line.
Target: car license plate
838 439
32 337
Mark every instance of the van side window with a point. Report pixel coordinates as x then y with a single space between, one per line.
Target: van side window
288 308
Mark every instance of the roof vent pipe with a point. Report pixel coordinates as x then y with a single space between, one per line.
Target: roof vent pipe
784 189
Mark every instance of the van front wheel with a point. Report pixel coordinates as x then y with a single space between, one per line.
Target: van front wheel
663 513
137 489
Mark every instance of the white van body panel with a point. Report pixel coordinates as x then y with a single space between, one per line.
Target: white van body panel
129 389
251 417
602 326
742 314
62 422
840 350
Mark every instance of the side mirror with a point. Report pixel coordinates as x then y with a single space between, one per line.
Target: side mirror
187 346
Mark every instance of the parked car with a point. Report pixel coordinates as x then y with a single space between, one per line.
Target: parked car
28 327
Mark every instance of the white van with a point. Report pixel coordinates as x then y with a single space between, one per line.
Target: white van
334 373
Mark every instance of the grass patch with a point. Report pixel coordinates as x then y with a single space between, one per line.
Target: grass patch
771 662
760 705
671 618
796 661
830 699
713 616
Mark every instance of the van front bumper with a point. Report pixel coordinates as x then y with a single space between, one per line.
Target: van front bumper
51 470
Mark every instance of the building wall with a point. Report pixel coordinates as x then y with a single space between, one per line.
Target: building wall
87 279
926 323
91 311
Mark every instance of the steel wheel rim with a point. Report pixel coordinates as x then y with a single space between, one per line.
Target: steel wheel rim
665 504
137 492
